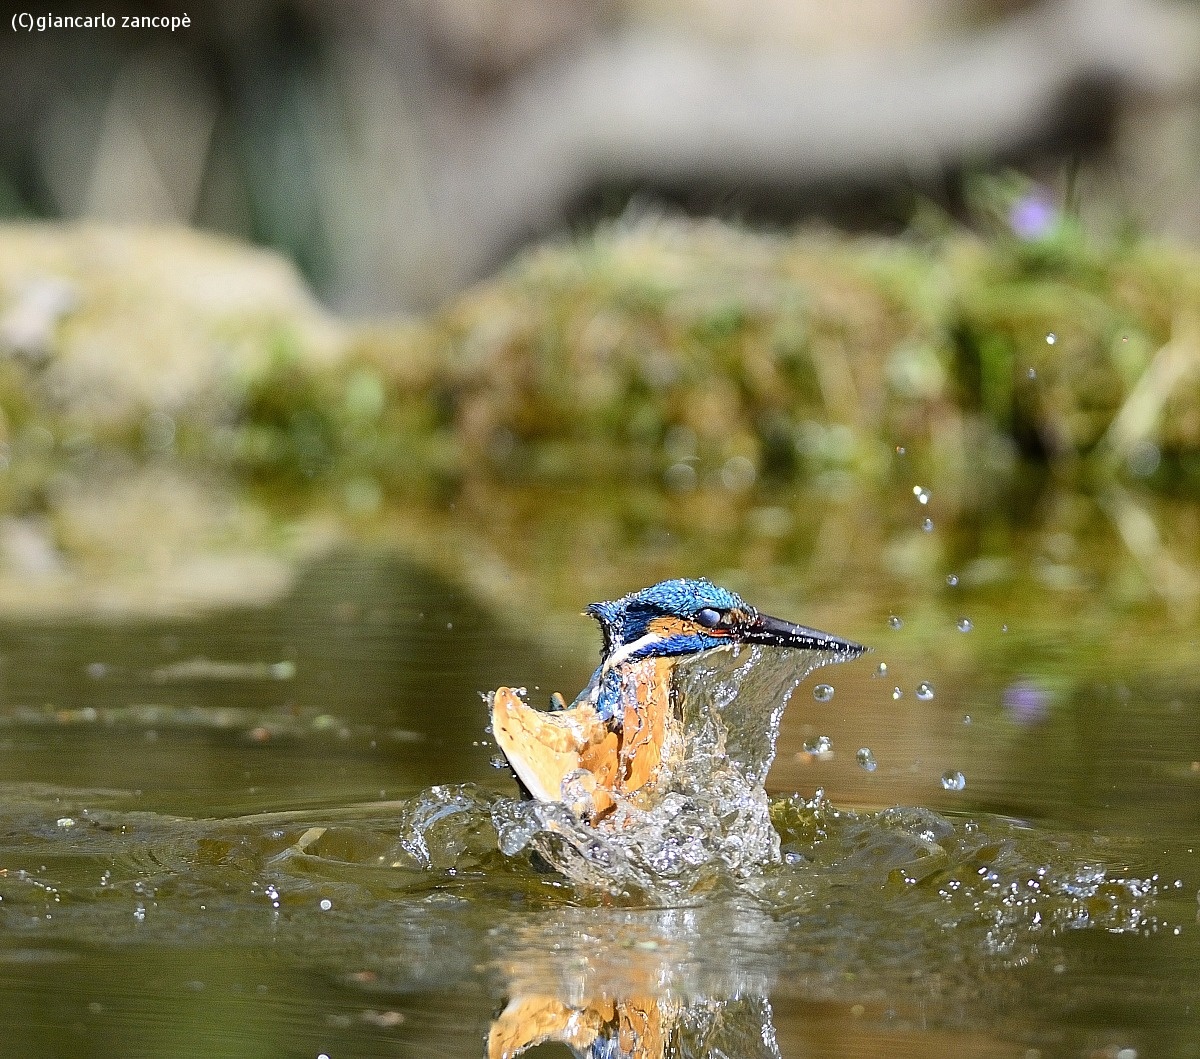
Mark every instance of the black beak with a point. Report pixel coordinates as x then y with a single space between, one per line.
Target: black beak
776 632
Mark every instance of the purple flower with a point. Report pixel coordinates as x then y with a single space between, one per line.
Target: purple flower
1032 216
1026 703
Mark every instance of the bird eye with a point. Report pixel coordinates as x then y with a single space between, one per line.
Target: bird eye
709 618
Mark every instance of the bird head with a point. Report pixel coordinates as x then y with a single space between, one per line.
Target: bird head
687 615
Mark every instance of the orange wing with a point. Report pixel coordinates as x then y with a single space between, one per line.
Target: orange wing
545 748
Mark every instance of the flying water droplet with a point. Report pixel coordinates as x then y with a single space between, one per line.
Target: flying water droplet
952 580
822 693
921 494
866 759
897 694
965 625
895 623
819 746
924 691
1051 338
927 525
954 781
498 761
1031 374
901 450
881 669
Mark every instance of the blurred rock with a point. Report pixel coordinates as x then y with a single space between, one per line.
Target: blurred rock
126 542
118 325
398 151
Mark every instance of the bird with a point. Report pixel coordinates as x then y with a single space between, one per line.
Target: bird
621 739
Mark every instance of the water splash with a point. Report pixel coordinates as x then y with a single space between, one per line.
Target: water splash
715 816
419 894
819 746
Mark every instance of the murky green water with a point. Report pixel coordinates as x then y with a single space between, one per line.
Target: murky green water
267 830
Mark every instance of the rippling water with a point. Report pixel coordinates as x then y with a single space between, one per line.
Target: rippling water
902 912
715 817
278 832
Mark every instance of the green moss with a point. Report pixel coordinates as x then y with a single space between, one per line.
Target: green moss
802 355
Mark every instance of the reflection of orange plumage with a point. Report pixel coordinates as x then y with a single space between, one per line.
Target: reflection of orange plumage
639 1024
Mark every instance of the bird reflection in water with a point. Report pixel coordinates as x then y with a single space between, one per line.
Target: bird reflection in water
638 1026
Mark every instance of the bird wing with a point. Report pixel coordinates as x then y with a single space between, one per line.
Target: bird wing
544 748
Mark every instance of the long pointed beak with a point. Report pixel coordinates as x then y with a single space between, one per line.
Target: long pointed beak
776 632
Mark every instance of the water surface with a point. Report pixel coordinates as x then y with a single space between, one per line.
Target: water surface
268 829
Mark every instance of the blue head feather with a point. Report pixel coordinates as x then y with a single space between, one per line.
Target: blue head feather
627 619
682 617
685 616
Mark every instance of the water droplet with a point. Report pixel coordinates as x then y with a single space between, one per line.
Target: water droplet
901 450
326 904
681 477
866 759
897 694
895 623
927 525
1004 627
924 691
1143 459
1051 338
953 781
881 669
965 625
1031 374
966 718
952 580
498 761
921 494
821 745
822 693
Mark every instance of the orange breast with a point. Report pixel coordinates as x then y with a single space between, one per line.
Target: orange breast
648 717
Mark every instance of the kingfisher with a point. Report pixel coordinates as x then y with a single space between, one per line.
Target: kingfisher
621 739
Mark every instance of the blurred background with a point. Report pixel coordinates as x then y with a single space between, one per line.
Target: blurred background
400 149
883 313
